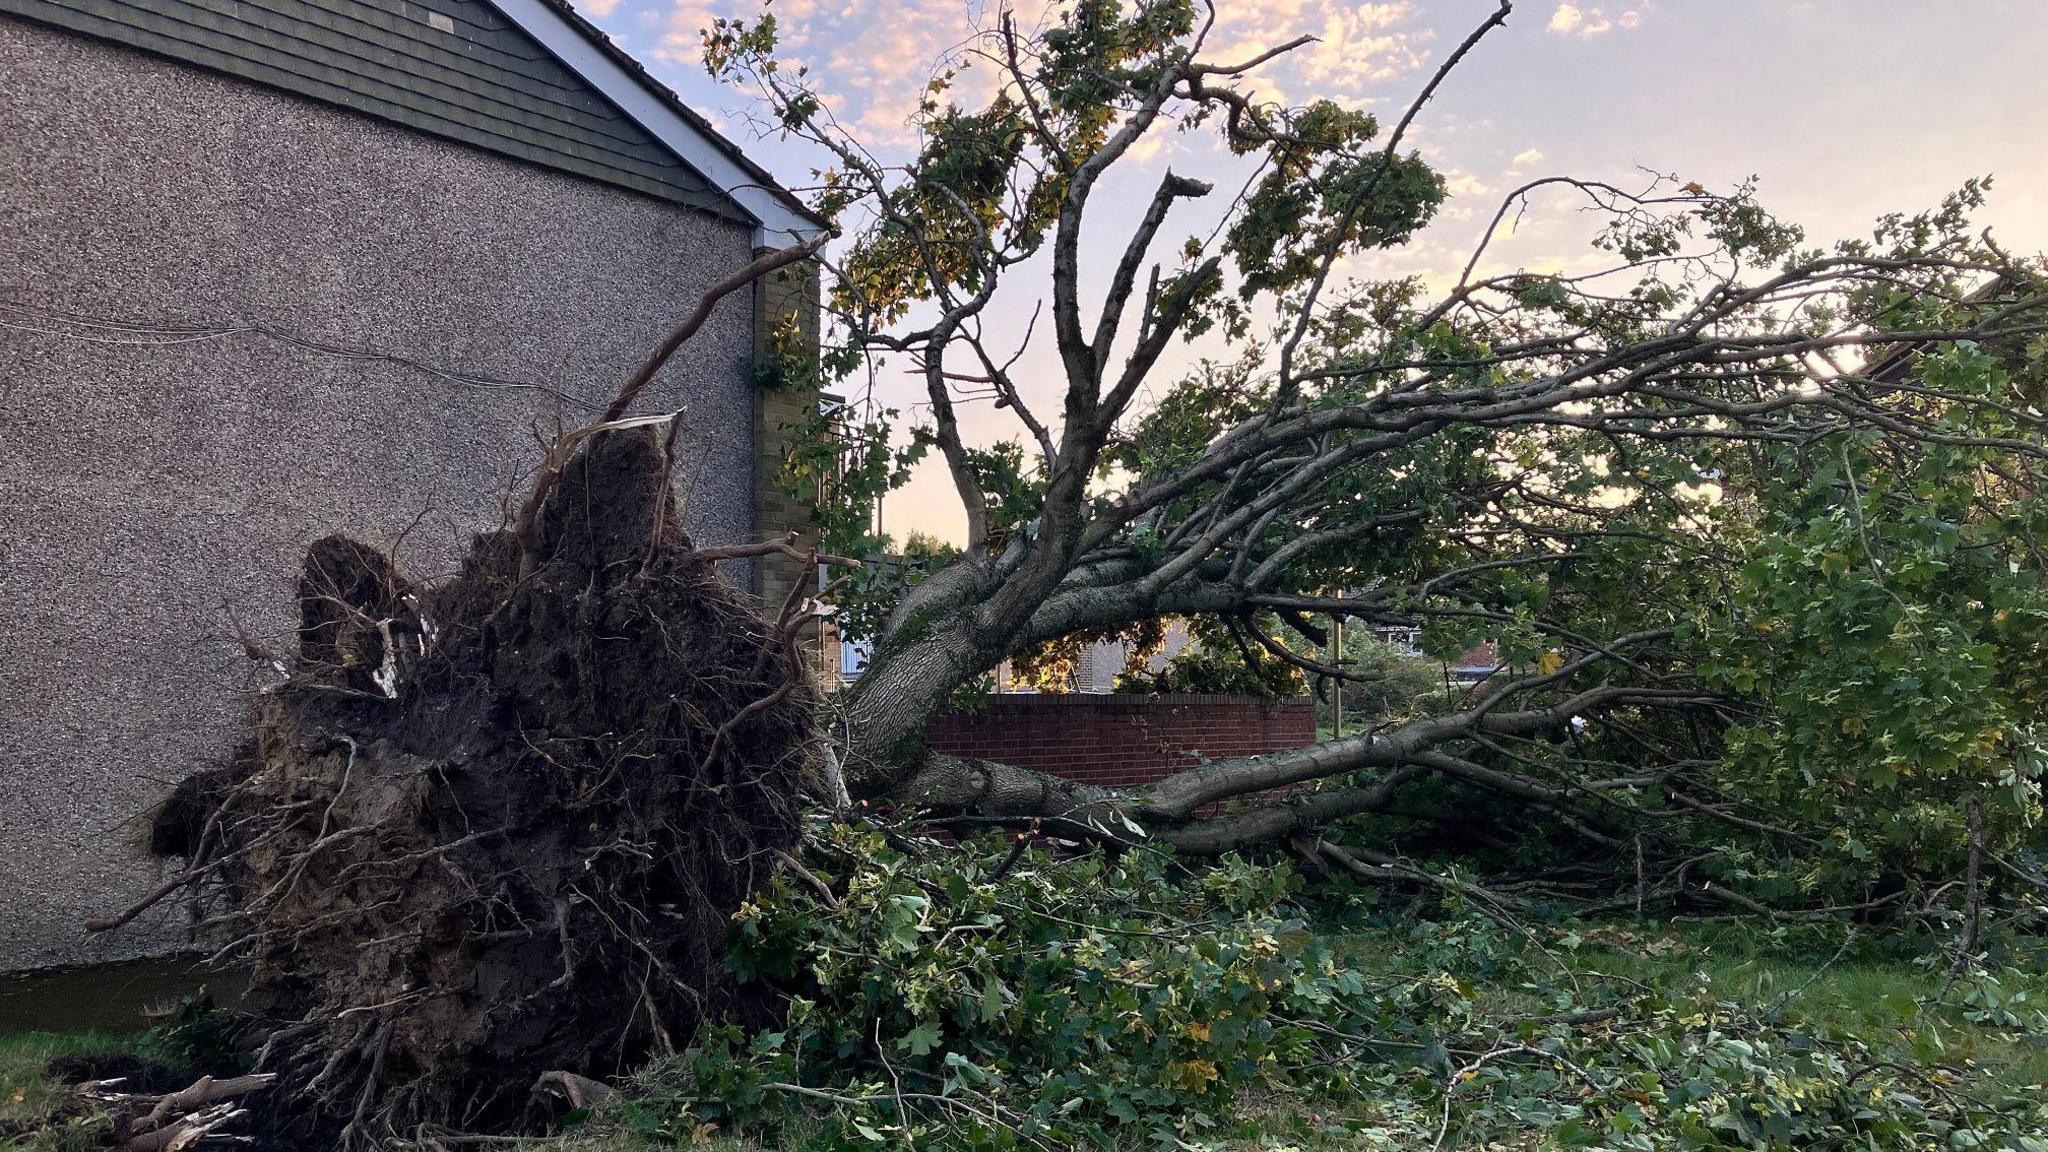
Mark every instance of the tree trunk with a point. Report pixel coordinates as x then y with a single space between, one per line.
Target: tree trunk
886 709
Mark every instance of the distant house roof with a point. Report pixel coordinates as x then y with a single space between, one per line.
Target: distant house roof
525 78
1893 362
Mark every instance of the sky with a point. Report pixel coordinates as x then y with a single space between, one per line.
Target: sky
1842 109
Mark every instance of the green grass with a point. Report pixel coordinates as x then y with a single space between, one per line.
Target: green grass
36 1113
1872 988
1836 990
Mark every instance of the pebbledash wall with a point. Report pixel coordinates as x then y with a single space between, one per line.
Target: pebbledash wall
1122 740
157 485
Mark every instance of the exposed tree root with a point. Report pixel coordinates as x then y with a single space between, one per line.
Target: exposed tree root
495 828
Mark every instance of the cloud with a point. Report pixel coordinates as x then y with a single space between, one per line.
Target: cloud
1584 23
597 8
873 57
1526 157
1364 45
683 44
1460 184
1357 45
877 56
1149 147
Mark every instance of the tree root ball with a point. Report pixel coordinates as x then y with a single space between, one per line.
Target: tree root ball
496 827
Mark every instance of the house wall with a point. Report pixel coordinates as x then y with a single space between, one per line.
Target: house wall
785 300
1122 741
156 487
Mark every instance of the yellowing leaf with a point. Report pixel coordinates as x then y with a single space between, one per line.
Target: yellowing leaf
1193 1075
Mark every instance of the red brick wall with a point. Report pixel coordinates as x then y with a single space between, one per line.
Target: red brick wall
1119 741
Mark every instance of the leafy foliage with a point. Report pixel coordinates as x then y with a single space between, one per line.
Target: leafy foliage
1753 522
1899 627
1312 194
1219 659
997 997
1389 683
1889 623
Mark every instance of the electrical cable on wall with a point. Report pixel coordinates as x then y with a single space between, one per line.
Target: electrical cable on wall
144 335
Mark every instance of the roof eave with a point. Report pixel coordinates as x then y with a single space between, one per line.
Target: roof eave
780 219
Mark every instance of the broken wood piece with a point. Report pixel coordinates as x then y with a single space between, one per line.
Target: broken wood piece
186 1132
206 1091
579 1091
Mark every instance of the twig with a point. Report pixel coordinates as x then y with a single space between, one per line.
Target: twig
1461 1075
823 889
787 546
1358 200
1575 1019
156 896
1016 853
206 1091
1973 881
1639 875
579 1091
1372 865
1799 914
895 1086
716 291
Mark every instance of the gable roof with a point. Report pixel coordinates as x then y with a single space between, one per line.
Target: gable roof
783 218
528 79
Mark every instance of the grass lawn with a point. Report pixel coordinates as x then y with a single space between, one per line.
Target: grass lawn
1860 993
1812 981
30 1100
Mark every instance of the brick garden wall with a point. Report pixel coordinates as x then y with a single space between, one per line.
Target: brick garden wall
1119 741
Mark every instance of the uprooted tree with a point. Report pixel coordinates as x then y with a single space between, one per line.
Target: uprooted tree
1754 524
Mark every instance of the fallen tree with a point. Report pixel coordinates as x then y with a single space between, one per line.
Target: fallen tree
1616 475
496 829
